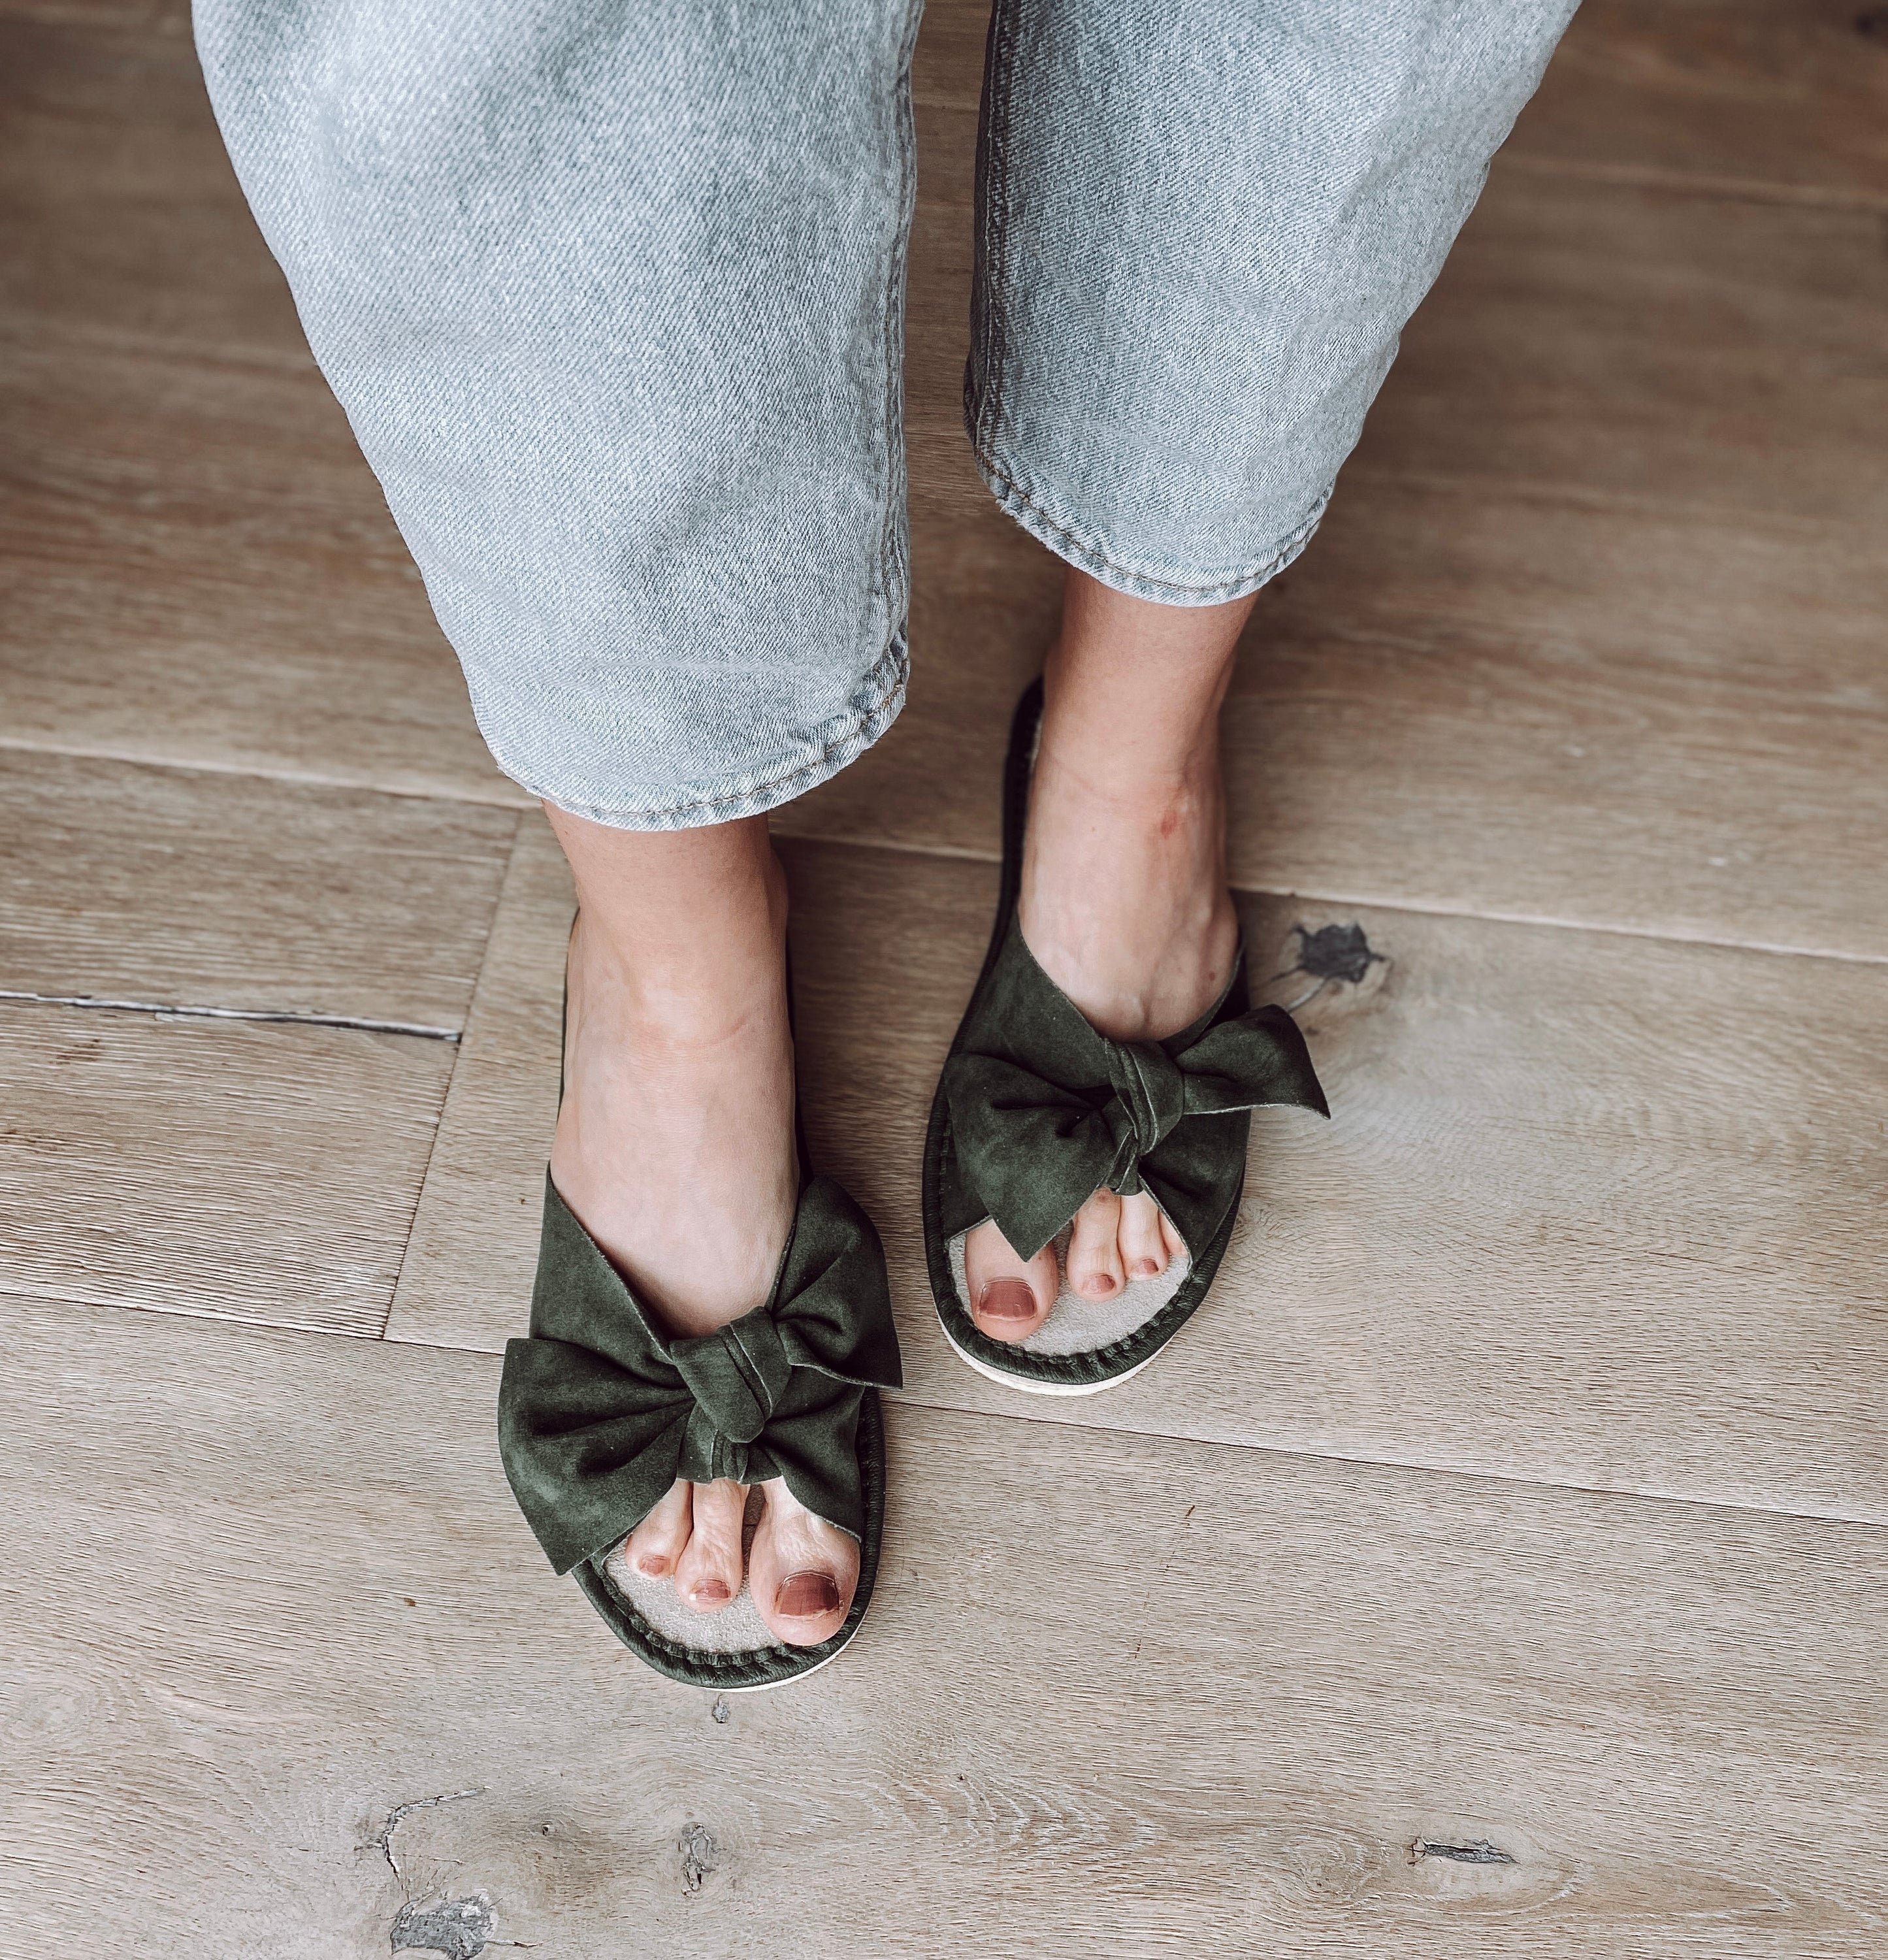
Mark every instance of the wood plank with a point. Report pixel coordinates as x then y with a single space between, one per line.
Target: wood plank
1638 719
469 1263
264 1590
1593 1211
120 217
185 888
254 1172
1705 353
1762 94
199 568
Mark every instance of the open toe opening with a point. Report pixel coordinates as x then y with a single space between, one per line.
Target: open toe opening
1076 1324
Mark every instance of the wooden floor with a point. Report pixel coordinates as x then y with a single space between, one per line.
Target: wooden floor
1500 1565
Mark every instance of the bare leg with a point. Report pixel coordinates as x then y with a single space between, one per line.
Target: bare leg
1124 898
675 1147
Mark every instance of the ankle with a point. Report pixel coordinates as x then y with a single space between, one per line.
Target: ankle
674 1003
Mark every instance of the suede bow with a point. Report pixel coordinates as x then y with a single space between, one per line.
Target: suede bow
600 1411
1036 1150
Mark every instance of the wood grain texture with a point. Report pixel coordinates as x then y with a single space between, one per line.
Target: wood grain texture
261 1173
1594 1210
1633 718
262 1590
1768 95
1706 354
120 217
1513 705
469 1261
198 568
182 887
199 565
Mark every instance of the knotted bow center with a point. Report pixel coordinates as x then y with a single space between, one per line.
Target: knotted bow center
1151 1095
736 1374
1034 1140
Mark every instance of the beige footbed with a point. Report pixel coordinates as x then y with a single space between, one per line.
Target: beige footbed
1076 1325
737 1628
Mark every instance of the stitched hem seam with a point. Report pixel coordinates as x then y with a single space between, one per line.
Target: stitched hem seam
864 729
1136 582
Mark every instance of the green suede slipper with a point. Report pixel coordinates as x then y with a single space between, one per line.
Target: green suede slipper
1035 1111
600 1411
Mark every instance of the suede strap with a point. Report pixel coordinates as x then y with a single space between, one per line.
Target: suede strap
599 1410
1045 1111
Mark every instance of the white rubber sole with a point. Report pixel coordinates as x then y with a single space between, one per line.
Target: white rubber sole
793 1680
1006 1379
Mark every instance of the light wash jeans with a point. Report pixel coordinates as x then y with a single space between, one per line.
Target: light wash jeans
613 296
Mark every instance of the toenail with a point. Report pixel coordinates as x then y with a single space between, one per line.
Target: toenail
804 1595
712 1592
1007 1300
1099 1286
1145 1269
653 1567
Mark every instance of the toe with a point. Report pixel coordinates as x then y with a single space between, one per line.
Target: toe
1176 1246
656 1545
803 1570
708 1572
1009 1296
1094 1249
1143 1245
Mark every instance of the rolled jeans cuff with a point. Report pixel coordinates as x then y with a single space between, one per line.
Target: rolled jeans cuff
797 764
1162 581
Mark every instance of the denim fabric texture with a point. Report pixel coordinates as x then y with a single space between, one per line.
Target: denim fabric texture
613 297
1201 225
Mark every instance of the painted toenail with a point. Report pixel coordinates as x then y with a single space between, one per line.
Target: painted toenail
712 1592
804 1595
1007 1300
1099 1286
1145 1269
653 1567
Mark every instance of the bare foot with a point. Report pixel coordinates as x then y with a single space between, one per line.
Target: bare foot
1124 899
674 1148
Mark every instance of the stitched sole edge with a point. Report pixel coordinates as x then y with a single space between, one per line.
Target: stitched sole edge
788 1680
1031 1386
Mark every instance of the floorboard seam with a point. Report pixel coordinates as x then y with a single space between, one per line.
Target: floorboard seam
906 1399
1692 183
170 1010
1313 896
503 794
439 1121
1404 1463
965 854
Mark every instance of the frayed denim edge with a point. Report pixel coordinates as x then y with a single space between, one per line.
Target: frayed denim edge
865 730
1017 505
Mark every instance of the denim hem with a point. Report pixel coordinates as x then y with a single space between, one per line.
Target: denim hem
1136 583
726 808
